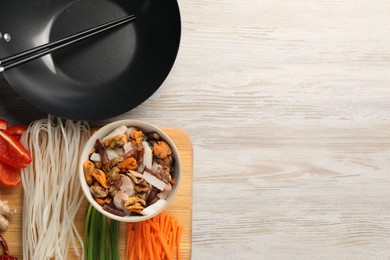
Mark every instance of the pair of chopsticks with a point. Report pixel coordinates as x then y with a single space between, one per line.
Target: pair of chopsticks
37 52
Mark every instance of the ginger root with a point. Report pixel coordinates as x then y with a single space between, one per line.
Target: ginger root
5 213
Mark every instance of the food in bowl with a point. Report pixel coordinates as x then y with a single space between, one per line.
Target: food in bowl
131 171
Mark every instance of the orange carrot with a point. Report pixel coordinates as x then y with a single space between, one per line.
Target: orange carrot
156 219
164 245
132 255
139 239
154 239
136 245
132 236
129 241
174 234
154 227
145 236
155 247
148 241
169 241
167 225
178 240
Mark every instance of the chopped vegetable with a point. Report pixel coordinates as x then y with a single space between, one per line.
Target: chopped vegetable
100 236
16 130
13 155
3 124
155 238
9 176
12 151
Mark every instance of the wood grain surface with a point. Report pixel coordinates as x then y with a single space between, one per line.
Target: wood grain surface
287 103
180 208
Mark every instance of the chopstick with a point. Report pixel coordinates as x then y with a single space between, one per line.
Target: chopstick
37 52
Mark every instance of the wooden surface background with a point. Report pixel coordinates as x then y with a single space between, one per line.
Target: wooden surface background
180 208
287 103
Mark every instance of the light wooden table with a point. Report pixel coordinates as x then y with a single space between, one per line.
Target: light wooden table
287 103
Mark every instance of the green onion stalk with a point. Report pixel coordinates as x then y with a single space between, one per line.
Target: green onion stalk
100 236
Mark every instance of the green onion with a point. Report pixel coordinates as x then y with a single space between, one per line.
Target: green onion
103 239
100 236
86 229
114 240
91 242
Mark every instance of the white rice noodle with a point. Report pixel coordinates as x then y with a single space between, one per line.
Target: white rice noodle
154 207
159 184
52 189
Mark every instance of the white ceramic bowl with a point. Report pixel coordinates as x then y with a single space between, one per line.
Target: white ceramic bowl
146 128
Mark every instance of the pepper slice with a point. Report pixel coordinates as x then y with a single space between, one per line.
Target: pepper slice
3 124
12 151
16 130
9 176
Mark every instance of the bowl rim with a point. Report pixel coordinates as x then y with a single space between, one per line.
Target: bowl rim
105 130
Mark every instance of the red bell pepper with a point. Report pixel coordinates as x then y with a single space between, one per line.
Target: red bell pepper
12 151
16 130
9 176
3 124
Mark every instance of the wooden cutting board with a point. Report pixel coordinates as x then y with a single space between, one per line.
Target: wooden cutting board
181 207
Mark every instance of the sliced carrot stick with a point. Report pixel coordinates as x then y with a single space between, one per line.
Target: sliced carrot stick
132 240
132 254
154 239
140 240
174 232
168 239
167 225
161 220
156 219
145 236
164 245
178 241
148 241
128 240
156 249
154 226
137 235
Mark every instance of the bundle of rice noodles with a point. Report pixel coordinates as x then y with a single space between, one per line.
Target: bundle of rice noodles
51 187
